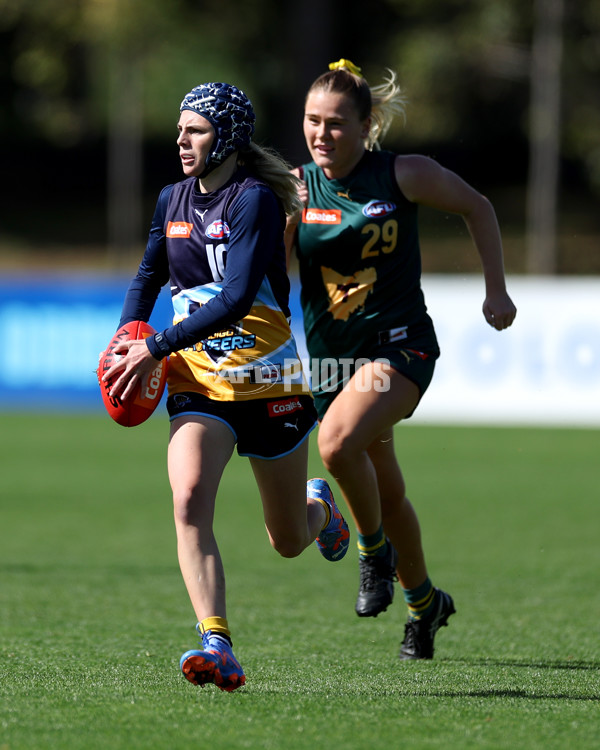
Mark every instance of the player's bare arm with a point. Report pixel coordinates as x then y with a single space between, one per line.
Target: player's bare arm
424 181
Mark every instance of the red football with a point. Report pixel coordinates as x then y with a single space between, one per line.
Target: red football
146 396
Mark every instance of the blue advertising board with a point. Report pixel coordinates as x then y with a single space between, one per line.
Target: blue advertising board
541 371
54 329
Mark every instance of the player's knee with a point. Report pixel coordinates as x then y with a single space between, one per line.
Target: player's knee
185 507
288 545
181 510
336 449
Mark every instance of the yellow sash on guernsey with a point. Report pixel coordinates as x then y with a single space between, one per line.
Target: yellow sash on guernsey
256 358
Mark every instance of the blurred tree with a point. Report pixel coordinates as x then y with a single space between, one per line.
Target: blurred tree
464 65
141 50
544 137
80 72
114 69
489 74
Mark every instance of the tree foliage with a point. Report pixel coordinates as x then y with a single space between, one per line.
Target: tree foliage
464 63
464 66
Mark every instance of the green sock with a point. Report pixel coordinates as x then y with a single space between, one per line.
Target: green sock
420 600
372 545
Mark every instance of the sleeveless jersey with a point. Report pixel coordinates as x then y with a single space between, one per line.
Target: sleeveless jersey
360 262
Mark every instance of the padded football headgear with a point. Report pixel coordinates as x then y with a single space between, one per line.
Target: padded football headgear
230 113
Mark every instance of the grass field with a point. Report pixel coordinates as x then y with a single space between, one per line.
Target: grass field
94 616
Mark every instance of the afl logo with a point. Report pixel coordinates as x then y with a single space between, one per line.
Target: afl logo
218 230
375 209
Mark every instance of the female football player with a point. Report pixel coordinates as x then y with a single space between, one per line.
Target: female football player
359 259
234 376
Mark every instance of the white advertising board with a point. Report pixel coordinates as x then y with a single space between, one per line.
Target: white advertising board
544 370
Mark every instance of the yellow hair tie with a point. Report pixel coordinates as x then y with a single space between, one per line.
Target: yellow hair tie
350 66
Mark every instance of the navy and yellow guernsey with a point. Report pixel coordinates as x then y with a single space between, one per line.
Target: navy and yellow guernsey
360 263
223 255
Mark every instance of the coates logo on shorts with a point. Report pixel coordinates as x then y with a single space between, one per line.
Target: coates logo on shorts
218 230
284 407
322 216
376 209
179 229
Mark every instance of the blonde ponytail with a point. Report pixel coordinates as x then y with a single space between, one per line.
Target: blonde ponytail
387 103
267 164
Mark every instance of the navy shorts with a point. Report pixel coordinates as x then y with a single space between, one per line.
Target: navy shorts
263 427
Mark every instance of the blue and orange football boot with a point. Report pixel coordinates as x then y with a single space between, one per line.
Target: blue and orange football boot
214 663
334 539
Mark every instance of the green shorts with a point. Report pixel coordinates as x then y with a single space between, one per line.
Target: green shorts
329 376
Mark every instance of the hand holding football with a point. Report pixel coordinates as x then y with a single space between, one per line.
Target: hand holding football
142 402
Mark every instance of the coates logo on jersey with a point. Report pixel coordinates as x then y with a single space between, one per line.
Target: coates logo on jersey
321 216
179 229
283 407
218 230
376 209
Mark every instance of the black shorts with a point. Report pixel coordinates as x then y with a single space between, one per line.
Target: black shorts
415 365
263 427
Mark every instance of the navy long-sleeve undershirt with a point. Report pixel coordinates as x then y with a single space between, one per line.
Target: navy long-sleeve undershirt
254 250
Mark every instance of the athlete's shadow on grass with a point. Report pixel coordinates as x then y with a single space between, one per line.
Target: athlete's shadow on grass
511 694
518 693
574 664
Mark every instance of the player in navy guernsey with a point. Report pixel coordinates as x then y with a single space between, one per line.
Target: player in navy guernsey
360 268
234 373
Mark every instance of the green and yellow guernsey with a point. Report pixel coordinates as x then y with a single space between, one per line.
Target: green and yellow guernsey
360 263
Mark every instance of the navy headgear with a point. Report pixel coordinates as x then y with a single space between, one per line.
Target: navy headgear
230 113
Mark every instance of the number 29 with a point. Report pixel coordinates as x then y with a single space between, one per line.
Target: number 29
380 237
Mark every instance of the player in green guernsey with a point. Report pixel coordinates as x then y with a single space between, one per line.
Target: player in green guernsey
372 344
360 263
